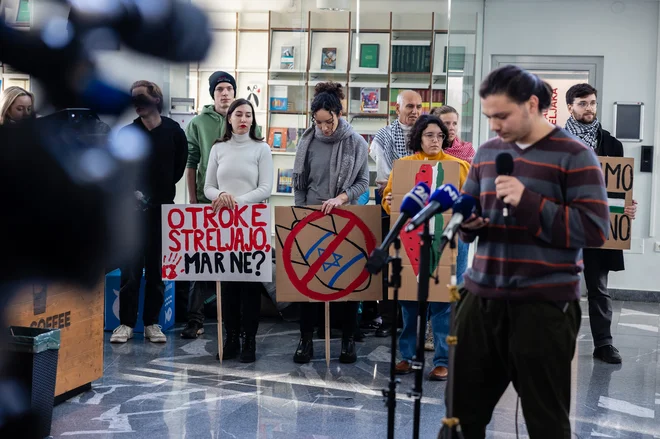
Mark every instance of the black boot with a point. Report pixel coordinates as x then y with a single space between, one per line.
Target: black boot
348 354
305 350
232 346
248 351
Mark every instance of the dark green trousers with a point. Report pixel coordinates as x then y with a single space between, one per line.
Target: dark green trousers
528 343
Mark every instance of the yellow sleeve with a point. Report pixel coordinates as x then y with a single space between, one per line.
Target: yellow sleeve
386 191
464 171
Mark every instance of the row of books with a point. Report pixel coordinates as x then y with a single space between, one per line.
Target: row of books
411 59
430 99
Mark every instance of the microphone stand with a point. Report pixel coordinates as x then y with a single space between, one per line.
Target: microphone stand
422 303
390 392
451 427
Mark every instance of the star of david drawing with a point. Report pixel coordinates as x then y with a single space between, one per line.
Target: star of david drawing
328 265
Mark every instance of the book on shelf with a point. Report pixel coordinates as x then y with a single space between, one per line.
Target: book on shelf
427 99
369 55
455 60
286 58
369 99
411 59
368 138
285 181
293 136
329 58
279 104
277 139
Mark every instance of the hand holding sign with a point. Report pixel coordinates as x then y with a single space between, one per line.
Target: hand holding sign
631 210
223 200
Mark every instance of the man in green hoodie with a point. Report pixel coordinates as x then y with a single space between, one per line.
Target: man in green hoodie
202 132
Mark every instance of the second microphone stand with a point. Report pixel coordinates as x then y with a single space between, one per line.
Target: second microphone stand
422 303
390 392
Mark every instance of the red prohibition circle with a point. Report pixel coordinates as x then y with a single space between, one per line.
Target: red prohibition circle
299 284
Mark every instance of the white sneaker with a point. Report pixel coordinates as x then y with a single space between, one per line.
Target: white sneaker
155 334
121 334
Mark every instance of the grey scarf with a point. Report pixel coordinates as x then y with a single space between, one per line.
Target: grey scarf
587 132
392 135
348 154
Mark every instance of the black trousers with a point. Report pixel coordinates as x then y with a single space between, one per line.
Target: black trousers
197 293
348 312
600 302
241 305
148 257
528 343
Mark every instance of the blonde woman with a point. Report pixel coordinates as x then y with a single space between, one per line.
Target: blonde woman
15 104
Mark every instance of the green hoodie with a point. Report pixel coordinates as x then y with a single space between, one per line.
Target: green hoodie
202 132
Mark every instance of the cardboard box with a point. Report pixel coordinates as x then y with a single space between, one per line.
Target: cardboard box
325 257
78 314
112 285
405 175
618 173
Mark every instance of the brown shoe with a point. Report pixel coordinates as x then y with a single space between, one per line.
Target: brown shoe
439 374
403 368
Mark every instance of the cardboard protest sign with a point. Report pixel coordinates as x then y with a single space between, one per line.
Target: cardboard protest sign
618 173
322 257
405 175
230 245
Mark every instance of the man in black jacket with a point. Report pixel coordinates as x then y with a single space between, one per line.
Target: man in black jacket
583 123
156 186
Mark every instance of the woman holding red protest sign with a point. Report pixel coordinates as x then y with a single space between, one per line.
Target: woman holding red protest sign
240 171
330 170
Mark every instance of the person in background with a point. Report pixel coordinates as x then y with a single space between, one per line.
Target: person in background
16 104
458 148
519 314
583 123
330 170
203 132
389 144
464 151
155 187
240 171
427 138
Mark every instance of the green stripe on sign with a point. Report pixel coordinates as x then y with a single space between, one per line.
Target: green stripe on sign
616 201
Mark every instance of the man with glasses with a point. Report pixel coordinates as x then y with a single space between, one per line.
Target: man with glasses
389 144
583 123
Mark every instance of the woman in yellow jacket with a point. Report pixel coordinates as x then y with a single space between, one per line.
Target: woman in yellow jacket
427 139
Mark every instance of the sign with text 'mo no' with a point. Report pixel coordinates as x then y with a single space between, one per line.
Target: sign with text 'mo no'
228 245
618 173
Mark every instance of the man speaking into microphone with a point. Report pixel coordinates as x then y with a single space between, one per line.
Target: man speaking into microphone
519 318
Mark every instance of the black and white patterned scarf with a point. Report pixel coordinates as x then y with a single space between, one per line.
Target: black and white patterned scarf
587 132
392 135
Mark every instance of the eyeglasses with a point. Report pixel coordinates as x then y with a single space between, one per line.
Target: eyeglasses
431 137
585 104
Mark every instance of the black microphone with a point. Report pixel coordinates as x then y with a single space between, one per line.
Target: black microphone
463 208
504 166
412 203
442 199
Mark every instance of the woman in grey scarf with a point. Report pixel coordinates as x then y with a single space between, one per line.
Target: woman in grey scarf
330 170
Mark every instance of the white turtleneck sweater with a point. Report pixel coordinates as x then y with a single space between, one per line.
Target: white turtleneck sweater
240 167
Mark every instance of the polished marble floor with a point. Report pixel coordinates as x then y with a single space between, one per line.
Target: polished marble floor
178 390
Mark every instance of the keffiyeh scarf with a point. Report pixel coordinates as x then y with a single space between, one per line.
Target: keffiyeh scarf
392 135
588 133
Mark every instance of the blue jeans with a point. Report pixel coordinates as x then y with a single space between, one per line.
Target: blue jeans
439 314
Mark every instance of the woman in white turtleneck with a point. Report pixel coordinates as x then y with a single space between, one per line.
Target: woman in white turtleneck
240 171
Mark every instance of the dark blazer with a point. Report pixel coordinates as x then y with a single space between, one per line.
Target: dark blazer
611 260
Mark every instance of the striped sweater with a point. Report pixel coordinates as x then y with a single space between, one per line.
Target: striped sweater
537 253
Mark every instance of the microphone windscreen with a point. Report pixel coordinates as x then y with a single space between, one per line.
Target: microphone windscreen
504 164
445 195
415 200
465 205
